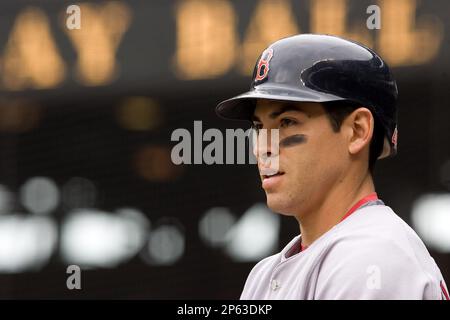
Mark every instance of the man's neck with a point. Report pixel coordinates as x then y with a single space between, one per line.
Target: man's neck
331 211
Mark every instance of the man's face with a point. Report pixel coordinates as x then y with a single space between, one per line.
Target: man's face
310 154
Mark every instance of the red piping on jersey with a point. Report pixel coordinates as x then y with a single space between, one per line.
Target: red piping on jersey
371 197
444 291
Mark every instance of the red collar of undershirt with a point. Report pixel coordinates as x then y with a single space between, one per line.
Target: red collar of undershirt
370 197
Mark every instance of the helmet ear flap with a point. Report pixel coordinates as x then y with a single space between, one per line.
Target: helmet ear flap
386 149
378 147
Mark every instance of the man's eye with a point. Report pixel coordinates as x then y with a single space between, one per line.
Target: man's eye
286 122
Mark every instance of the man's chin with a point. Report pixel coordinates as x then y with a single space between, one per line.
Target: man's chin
276 203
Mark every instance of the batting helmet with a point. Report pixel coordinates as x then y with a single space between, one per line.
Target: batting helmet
321 68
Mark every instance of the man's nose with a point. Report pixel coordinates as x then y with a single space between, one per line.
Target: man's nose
266 144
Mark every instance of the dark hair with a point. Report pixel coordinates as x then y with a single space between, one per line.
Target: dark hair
337 111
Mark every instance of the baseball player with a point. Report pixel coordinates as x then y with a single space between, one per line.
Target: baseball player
333 103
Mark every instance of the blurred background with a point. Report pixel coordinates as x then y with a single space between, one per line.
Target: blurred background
86 117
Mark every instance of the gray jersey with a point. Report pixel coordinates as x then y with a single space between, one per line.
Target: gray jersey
372 254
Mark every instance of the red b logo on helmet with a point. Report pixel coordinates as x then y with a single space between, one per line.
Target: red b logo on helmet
263 65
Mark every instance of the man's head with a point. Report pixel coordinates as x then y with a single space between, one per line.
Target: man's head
349 92
318 148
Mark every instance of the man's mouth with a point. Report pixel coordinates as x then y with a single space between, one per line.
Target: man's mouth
270 181
267 176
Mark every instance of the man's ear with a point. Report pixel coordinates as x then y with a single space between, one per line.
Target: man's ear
360 125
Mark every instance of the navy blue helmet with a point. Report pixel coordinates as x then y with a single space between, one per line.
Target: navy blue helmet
321 68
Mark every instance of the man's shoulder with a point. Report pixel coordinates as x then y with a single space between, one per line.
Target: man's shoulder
377 237
375 254
378 226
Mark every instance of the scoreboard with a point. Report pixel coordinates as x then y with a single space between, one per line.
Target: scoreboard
155 45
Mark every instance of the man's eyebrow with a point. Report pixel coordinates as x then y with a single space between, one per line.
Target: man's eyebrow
285 108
